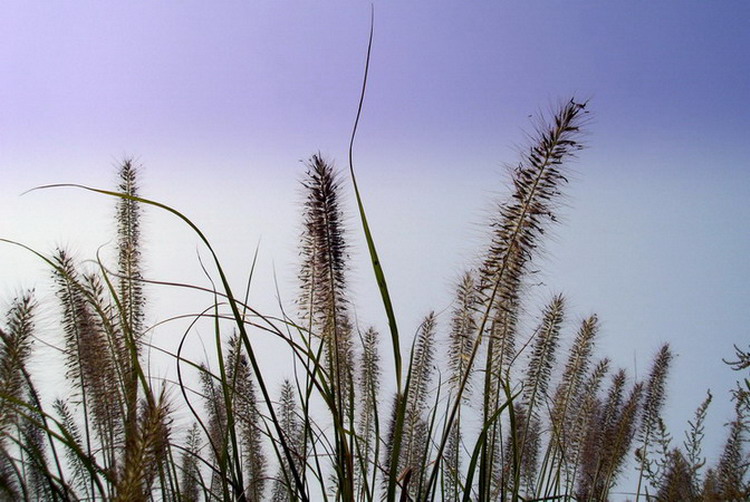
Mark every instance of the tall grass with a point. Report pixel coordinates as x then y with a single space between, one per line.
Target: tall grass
511 415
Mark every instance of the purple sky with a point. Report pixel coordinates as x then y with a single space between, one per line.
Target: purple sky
221 102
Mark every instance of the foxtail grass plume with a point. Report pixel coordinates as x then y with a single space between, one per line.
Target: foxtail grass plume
414 446
653 402
516 230
574 399
130 275
284 488
15 351
610 434
324 304
370 374
534 394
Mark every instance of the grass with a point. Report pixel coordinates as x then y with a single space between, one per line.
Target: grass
515 415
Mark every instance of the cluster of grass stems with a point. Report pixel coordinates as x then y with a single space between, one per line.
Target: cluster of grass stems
511 415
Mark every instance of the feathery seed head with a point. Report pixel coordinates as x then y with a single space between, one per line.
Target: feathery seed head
520 222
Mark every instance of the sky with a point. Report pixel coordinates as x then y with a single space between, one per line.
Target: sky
221 103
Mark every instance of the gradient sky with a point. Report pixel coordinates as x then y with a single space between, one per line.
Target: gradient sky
221 101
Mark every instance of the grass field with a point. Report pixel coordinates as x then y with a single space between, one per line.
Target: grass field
514 415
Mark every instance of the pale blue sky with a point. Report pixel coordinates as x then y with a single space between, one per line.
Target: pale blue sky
220 102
